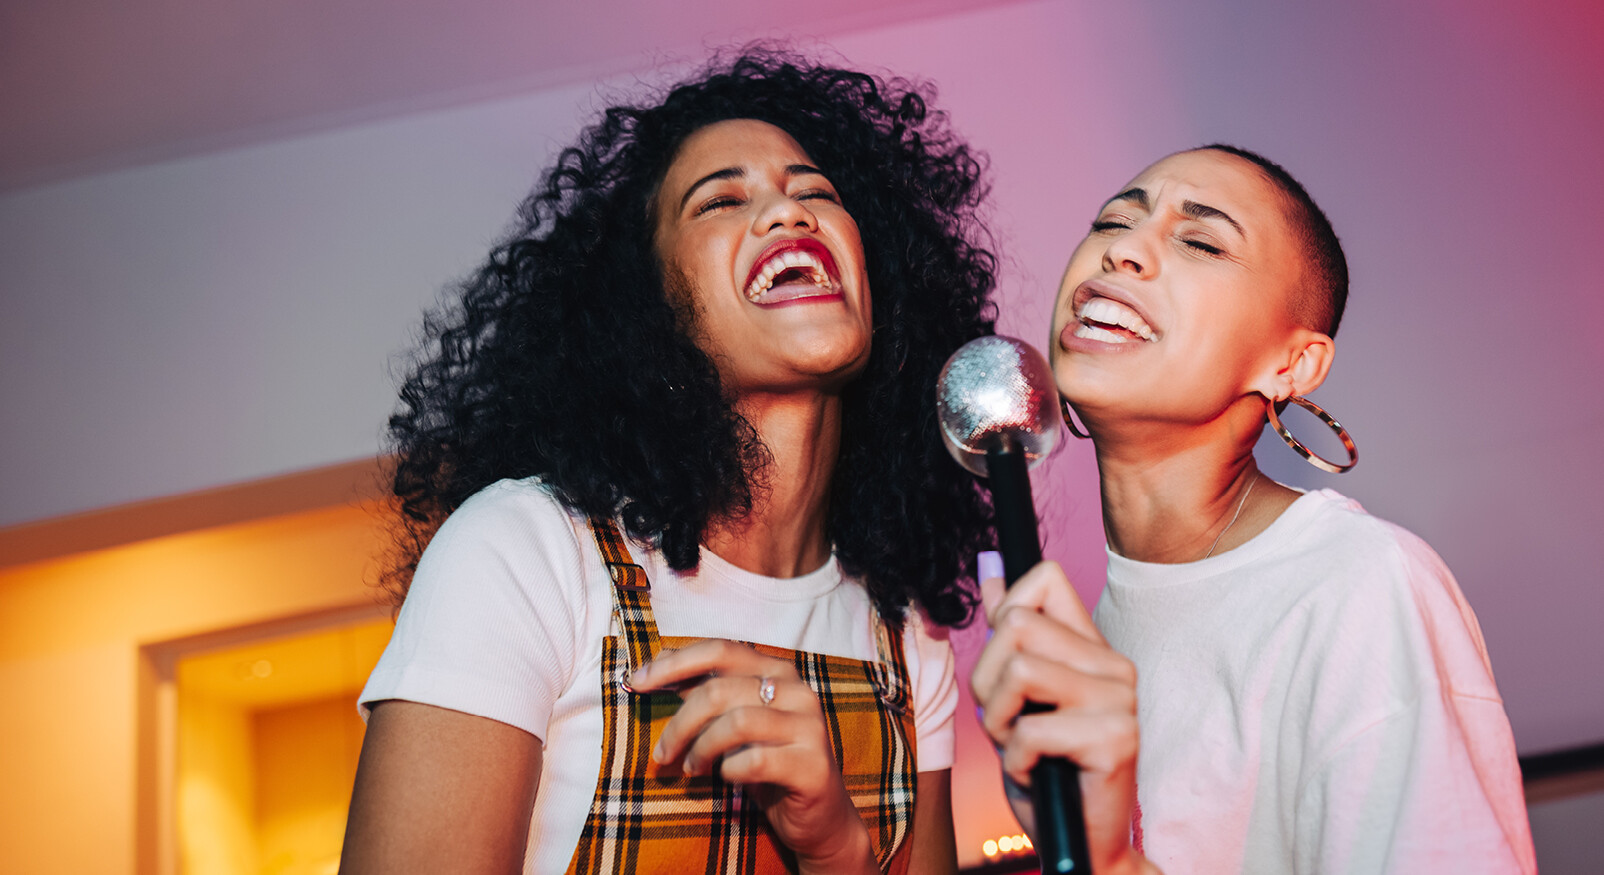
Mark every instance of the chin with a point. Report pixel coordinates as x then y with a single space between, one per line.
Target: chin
830 350
1083 386
834 372
840 372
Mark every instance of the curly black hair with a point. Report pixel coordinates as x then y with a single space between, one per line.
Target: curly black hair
561 357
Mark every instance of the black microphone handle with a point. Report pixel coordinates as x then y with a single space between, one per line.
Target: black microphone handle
1054 781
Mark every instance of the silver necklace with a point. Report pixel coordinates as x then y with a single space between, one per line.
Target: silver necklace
1245 493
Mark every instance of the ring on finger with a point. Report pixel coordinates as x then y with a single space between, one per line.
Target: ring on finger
765 690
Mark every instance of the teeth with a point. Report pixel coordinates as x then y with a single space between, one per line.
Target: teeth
1110 312
787 260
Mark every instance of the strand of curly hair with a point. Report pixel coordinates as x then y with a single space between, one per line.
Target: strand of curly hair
562 358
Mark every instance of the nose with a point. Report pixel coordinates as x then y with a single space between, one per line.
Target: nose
779 210
1131 252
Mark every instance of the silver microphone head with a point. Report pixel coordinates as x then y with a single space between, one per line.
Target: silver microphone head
995 391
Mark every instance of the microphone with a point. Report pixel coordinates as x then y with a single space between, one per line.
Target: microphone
999 414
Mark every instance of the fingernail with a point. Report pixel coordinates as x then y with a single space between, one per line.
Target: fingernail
989 564
657 752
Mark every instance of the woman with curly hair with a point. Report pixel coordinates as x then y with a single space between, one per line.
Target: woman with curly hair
688 403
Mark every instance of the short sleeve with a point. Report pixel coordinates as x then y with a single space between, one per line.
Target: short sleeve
493 620
1434 784
933 674
1405 796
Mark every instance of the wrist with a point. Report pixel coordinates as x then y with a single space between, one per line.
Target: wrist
852 854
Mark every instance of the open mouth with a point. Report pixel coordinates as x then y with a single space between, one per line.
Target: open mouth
1109 321
792 269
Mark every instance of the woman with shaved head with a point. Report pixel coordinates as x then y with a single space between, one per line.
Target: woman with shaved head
1273 681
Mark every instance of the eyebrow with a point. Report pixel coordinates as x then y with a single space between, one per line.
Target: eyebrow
740 173
1135 195
1204 211
1190 209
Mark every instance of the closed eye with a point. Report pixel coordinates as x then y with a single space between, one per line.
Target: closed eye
1108 225
819 194
1205 247
714 203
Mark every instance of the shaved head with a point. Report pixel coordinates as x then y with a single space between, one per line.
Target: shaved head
1322 294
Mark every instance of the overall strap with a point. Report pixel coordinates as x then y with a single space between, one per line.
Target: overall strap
647 819
632 603
892 677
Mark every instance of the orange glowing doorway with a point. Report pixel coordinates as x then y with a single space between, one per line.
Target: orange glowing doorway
258 739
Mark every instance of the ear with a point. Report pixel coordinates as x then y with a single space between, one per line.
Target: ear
1299 367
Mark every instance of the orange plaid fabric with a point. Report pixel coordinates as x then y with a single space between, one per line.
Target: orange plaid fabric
647 818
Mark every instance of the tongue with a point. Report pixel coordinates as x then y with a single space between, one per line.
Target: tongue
1121 330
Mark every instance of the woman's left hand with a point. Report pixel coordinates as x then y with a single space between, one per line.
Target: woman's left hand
775 745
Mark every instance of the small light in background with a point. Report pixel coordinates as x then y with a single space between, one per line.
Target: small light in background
257 669
1014 845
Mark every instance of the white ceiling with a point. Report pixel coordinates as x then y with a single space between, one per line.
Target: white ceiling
93 85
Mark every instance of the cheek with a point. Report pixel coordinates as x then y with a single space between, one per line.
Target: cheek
1085 261
703 250
850 243
1224 362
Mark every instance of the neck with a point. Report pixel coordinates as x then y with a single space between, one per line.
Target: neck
1177 493
784 533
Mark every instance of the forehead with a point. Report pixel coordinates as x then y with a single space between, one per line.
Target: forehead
1220 180
733 143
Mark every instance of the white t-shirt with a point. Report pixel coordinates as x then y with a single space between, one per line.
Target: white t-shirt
511 602
1316 700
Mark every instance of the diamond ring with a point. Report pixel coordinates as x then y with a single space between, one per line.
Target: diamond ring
765 690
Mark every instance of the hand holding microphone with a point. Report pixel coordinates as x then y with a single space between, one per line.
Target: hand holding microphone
997 406
1050 686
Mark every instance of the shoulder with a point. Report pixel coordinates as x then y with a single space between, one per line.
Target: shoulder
1334 522
1420 584
1384 608
502 612
517 508
503 520
1361 557
512 536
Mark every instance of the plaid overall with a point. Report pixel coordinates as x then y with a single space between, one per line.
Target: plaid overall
647 818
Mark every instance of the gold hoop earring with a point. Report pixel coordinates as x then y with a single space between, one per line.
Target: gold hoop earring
1305 452
1069 421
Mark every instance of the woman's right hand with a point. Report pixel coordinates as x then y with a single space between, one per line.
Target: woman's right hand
1045 649
778 746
